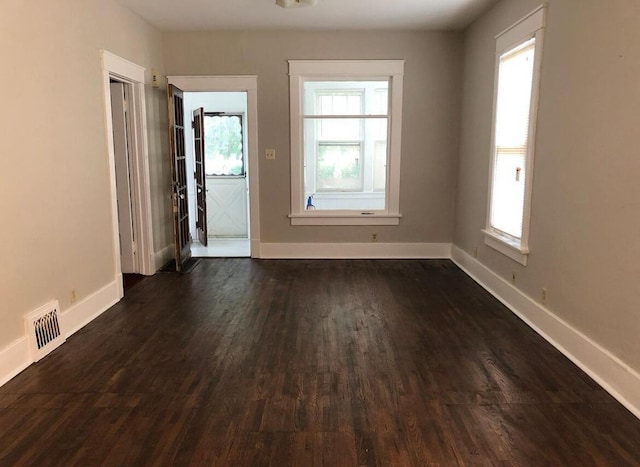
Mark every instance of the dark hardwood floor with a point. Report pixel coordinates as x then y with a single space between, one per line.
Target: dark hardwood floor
130 280
245 362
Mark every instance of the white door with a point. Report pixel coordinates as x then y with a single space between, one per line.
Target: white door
225 135
227 207
128 259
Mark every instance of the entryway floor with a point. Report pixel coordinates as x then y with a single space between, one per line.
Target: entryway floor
222 248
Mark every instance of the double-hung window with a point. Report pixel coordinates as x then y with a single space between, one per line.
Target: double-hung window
345 142
518 57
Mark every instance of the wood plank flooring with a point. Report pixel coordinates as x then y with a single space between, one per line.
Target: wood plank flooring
337 363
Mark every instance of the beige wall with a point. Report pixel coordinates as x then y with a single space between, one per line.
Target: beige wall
54 182
430 118
585 224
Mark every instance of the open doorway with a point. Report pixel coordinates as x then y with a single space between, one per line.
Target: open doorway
125 124
219 223
223 234
122 133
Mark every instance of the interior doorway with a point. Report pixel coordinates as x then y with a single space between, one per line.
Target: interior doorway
125 124
121 125
231 185
217 154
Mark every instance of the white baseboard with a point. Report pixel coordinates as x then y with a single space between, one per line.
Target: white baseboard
614 375
255 248
79 315
355 250
163 256
15 357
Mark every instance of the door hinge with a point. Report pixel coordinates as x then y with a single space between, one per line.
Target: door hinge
134 248
193 124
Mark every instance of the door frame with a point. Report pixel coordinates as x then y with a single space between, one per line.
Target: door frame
133 76
242 83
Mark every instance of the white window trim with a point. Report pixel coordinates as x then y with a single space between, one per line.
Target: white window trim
528 27
299 70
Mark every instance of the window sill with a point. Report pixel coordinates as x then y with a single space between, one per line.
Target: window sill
319 218
507 246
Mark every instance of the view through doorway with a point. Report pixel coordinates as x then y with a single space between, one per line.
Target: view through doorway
217 146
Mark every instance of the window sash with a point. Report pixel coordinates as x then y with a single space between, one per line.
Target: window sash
368 136
513 111
507 204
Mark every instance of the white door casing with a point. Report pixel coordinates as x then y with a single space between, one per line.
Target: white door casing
248 84
133 75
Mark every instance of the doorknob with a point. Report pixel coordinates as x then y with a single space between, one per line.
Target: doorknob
181 196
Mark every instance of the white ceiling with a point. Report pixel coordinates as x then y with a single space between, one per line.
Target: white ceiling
206 15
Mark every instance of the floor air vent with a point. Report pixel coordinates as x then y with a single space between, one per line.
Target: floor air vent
44 331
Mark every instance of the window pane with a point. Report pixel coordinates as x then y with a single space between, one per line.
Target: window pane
339 102
515 81
339 167
508 192
514 95
345 97
345 159
380 101
340 129
223 145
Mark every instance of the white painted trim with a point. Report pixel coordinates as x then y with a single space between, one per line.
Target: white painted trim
346 67
14 358
256 248
134 76
531 26
85 311
141 182
506 246
320 219
614 375
122 67
163 256
248 84
301 70
223 83
355 250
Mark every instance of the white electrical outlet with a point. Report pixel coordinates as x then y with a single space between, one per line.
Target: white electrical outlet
270 154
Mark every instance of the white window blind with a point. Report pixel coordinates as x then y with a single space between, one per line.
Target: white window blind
513 105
